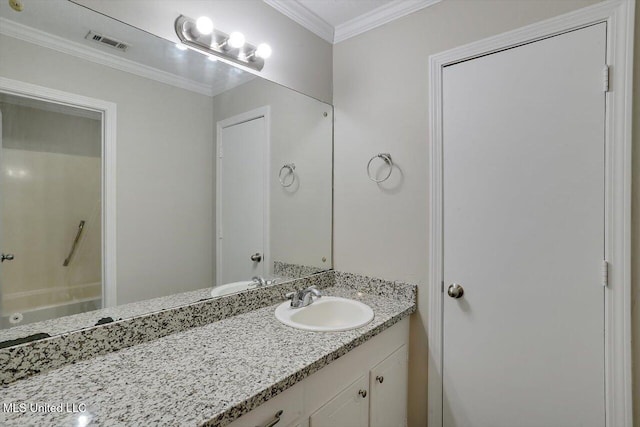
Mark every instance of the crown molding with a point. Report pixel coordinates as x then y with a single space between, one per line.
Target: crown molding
304 17
47 40
379 16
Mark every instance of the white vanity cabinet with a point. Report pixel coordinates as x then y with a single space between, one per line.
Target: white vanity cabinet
284 410
349 408
378 399
365 387
388 384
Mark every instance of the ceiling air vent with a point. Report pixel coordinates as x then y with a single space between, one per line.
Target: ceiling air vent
109 41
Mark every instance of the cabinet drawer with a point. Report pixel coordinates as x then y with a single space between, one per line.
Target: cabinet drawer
289 402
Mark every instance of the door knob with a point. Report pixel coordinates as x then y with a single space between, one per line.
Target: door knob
256 257
455 291
6 257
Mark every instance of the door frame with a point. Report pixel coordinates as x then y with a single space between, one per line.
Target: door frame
108 112
619 16
260 112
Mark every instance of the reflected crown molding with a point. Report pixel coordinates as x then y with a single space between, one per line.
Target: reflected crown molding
32 35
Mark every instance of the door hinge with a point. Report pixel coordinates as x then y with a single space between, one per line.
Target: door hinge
605 273
442 286
606 78
220 153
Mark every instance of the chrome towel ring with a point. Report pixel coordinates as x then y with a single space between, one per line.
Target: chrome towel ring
290 167
387 159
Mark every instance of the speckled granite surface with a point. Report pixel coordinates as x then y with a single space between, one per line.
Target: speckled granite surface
208 375
67 324
294 271
375 286
39 356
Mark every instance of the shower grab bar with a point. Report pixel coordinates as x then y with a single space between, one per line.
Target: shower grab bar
75 243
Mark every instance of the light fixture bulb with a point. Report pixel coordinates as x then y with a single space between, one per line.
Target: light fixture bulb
180 46
236 40
204 25
263 51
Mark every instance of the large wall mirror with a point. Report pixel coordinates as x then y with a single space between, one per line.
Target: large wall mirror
136 176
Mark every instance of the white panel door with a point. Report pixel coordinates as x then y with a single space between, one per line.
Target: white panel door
388 383
350 408
242 212
523 186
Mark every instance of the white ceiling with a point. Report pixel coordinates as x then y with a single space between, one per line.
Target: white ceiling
338 20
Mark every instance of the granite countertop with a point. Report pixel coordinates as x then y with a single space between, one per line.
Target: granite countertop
206 375
66 324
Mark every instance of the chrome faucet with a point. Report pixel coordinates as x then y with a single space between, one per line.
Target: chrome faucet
304 297
259 281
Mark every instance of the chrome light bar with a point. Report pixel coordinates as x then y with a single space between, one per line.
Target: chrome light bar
216 44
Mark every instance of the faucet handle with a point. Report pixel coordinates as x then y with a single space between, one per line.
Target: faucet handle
308 294
294 297
313 290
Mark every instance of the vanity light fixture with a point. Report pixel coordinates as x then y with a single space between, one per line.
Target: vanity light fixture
201 35
263 51
204 25
236 40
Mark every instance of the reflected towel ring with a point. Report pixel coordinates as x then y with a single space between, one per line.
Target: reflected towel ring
387 159
291 167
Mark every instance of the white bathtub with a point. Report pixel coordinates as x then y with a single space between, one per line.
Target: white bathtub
232 288
54 311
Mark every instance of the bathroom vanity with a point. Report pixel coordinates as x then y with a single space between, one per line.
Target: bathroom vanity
366 387
243 368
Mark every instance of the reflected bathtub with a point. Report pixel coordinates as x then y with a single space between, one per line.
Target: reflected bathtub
232 288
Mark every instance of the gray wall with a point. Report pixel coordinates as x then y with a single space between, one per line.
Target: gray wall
164 179
301 60
381 105
301 214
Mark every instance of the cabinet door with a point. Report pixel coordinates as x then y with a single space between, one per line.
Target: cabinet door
350 408
389 382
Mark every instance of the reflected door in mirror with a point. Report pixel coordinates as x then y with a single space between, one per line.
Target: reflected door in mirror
242 154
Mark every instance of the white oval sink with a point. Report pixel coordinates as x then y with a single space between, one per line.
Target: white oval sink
232 288
326 314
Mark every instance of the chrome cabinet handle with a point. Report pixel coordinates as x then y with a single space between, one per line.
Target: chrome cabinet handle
363 393
455 291
275 420
380 379
6 257
256 257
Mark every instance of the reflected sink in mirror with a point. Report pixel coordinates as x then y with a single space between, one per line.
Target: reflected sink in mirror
326 314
